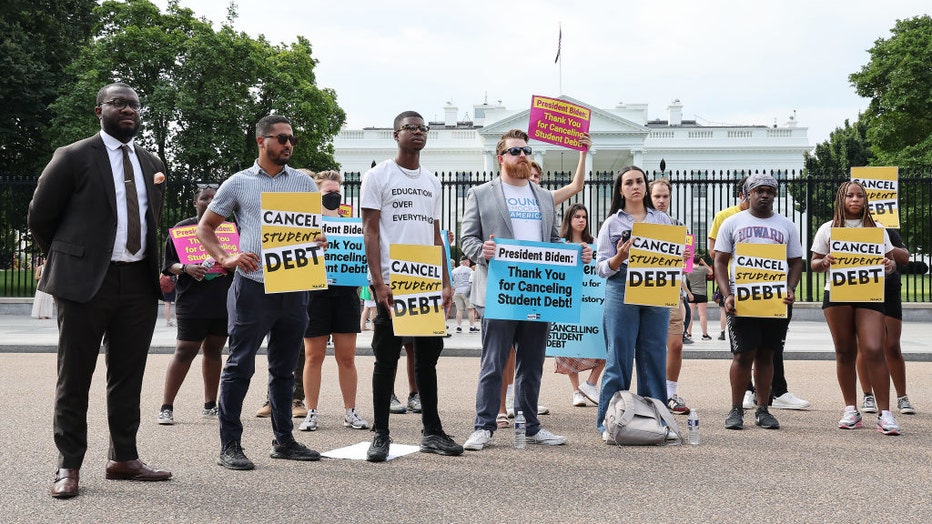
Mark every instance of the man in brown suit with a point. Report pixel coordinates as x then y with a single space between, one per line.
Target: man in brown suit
95 214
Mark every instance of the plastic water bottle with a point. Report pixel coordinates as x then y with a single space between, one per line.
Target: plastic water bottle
207 264
520 431
693 425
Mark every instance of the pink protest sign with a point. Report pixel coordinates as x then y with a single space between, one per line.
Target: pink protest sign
558 122
190 250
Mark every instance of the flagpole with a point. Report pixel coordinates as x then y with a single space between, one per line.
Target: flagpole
559 58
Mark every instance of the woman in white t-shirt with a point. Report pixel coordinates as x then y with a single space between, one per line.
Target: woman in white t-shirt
855 326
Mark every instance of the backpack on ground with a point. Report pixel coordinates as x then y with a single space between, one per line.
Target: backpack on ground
633 420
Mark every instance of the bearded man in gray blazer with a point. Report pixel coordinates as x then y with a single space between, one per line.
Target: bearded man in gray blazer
95 214
510 206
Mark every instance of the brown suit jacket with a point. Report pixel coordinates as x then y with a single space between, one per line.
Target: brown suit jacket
73 218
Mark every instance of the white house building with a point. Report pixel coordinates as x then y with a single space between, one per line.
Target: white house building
622 135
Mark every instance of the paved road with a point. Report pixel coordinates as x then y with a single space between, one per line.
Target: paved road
808 471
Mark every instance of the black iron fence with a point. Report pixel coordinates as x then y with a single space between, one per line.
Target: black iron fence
697 196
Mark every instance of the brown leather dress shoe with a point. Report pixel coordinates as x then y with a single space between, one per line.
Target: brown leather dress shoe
134 470
66 483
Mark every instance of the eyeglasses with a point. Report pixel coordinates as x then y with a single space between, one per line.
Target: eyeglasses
283 138
411 127
516 151
121 103
206 185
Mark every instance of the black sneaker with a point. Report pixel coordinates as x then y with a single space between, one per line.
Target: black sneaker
378 450
721 336
735 419
440 444
293 450
764 419
686 339
232 457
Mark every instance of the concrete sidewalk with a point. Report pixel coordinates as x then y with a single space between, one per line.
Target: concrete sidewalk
806 340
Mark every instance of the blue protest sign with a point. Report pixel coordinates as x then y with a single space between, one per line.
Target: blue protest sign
346 254
584 339
535 281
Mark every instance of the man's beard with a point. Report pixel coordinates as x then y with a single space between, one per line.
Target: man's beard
520 170
121 133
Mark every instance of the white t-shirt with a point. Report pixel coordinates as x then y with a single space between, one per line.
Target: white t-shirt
820 242
409 202
524 211
746 228
461 278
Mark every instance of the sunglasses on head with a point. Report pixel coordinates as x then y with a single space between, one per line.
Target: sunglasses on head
206 185
516 151
283 138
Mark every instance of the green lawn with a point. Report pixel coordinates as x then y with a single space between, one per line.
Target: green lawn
916 288
17 283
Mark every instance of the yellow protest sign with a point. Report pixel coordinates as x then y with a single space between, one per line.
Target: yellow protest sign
291 258
416 280
882 186
857 274
655 265
760 280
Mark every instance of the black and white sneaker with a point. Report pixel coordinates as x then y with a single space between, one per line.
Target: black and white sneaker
764 419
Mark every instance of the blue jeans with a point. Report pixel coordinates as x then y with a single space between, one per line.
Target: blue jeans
251 315
633 334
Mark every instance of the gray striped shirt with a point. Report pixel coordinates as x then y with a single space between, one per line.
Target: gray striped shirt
241 194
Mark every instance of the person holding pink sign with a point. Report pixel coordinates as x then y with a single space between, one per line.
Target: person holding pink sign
856 327
202 319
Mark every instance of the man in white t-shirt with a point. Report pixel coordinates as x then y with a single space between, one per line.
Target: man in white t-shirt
461 282
401 204
509 207
755 340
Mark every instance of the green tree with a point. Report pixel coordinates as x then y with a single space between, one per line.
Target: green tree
39 39
202 90
826 167
898 81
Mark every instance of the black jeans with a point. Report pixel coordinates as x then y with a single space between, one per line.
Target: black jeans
387 349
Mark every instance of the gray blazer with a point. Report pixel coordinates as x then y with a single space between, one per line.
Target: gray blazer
487 214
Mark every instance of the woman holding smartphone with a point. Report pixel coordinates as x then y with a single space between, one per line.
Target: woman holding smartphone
633 333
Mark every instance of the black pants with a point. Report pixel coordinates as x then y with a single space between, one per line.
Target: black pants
123 314
387 349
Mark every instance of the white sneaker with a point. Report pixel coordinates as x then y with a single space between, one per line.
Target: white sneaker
310 421
887 425
590 392
750 401
510 404
352 420
790 401
478 440
543 410
578 399
546 438
869 405
607 438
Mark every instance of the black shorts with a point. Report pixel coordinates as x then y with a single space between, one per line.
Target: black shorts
892 302
699 299
335 310
747 333
197 329
875 306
